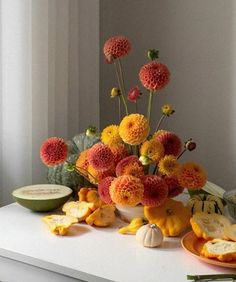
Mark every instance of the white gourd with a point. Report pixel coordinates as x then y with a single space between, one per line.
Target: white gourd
149 235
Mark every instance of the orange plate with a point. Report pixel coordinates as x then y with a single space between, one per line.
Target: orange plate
194 245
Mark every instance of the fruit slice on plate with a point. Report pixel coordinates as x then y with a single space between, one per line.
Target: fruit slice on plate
80 210
230 232
209 226
220 249
42 197
59 224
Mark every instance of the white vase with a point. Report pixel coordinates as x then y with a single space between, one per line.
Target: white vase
128 213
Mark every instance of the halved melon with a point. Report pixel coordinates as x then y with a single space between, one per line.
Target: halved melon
42 197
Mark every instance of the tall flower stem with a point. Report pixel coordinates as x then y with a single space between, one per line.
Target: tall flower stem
136 106
160 122
150 106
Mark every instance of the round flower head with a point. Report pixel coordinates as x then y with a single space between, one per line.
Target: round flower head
96 176
82 163
130 166
126 190
53 151
110 135
116 47
134 94
174 188
134 129
155 190
168 165
191 176
153 150
167 110
119 152
103 189
171 142
154 76
100 157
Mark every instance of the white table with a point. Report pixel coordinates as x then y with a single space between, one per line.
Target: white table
30 253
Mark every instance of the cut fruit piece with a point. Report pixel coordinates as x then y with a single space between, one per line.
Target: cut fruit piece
68 205
59 224
230 232
133 227
80 210
102 217
221 249
209 226
42 197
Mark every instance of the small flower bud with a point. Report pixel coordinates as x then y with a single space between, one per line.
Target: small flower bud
109 59
91 131
134 94
167 110
115 92
145 160
153 54
190 145
70 167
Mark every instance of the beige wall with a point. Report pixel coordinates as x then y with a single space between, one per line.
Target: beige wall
196 40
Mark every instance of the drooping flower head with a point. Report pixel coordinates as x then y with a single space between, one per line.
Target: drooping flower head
126 190
96 176
110 135
168 165
100 157
191 176
130 166
134 94
116 47
134 129
103 189
154 76
53 151
119 152
174 188
82 163
155 190
153 150
171 142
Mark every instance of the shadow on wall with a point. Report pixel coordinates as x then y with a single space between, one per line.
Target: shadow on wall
196 40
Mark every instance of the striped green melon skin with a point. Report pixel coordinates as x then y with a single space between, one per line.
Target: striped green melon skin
42 197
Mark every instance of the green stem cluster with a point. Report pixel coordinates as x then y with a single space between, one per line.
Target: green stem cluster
149 106
160 122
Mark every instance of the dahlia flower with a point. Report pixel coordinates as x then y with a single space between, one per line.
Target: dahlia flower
130 166
119 152
134 94
153 150
100 157
103 189
167 110
171 142
82 163
174 188
96 176
168 165
110 135
116 47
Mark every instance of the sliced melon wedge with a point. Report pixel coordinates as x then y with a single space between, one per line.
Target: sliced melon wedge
42 197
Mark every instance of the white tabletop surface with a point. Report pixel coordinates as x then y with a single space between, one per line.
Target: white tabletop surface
94 254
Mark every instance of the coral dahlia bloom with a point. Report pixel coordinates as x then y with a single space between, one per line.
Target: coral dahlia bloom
96 176
155 190
53 151
171 142
134 129
126 190
82 163
174 188
130 166
168 165
110 135
153 150
134 94
119 152
103 189
100 157
191 176
116 47
154 76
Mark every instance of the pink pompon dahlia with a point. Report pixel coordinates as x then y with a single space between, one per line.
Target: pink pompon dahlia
134 94
174 188
154 76
171 142
103 189
130 166
53 151
116 47
100 157
119 152
155 190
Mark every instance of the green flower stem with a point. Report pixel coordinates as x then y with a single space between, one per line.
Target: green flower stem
211 276
155 170
136 106
160 122
184 150
150 106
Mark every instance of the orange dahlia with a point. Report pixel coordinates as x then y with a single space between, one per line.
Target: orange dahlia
174 188
154 76
100 157
103 189
110 135
130 166
171 142
191 176
126 190
53 151
168 165
116 47
153 150
134 129
155 190
82 163
119 152
95 176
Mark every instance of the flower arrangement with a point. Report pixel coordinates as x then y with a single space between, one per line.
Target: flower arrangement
130 164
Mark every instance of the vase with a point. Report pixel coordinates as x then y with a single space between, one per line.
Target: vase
128 213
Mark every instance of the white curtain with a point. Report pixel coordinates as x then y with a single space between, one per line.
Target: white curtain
41 93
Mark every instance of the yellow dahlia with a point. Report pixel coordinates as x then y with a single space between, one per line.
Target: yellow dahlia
126 190
168 165
134 129
82 163
110 135
191 176
153 150
167 110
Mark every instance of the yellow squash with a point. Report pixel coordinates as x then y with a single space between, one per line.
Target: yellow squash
102 217
90 195
172 217
133 227
59 224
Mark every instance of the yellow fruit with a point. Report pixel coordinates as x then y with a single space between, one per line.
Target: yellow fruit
133 227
